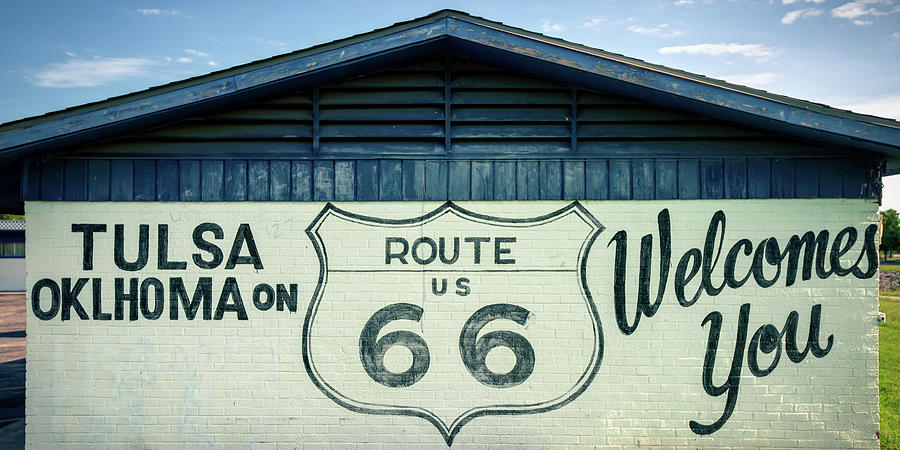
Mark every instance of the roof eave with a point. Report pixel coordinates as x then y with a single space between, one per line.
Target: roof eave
581 65
28 136
850 128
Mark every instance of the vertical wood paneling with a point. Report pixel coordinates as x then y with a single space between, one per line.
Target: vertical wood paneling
854 180
642 180
504 180
98 180
712 183
550 180
301 181
688 179
573 180
257 180
366 180
344 181
76 180
482 181
831 182
807 177
435 180
620 180
167 180
280 180
235 180
759 178
783 178
31 179
390 178
323 181
212 181
596 180
52 174
460 180
413 180
189 180
145 180
736 178
666 179
527 185
121 180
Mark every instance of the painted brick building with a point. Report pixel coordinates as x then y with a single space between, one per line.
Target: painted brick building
419 236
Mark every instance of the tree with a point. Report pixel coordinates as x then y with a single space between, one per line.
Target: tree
890 232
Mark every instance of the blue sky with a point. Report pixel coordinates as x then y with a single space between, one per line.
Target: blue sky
843 53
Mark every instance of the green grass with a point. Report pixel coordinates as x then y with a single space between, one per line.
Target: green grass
888 268
889 373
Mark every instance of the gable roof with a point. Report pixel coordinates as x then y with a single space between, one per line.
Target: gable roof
463 34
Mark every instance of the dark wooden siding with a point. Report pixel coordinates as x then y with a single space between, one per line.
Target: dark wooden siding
415 179
448 128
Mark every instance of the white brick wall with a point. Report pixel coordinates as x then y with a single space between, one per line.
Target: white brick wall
238 383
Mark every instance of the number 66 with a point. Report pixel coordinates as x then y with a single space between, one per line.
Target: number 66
472 350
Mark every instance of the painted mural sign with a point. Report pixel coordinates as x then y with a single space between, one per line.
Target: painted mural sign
456 313
441 262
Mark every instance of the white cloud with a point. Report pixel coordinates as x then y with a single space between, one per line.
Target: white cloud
751 79
749 50
660 31
683 2
183 59
548 27
201 55
895 35
789 2
280 45
158 12
860 11
71 54
595 21
886 106
792 16
196 53
91 72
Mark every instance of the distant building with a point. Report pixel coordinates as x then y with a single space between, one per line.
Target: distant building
12 255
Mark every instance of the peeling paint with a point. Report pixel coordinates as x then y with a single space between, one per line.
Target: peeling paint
411 34
625 76
534 53
602 70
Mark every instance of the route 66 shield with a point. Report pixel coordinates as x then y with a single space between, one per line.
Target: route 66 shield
452 315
